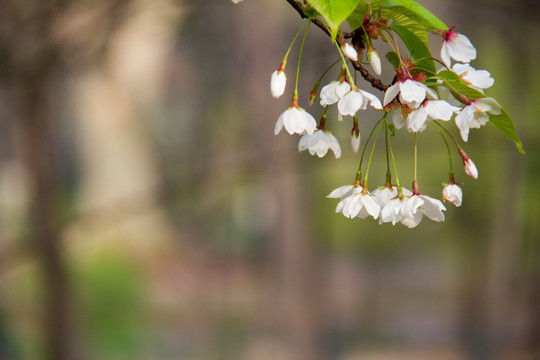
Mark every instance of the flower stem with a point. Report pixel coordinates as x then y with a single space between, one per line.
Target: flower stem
349 77
388 173
398 184
367 143
322 122
415 157
449 134
371 155
293 41
295 94
447 147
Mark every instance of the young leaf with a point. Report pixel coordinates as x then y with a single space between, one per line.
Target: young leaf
356 19
334 11
457 84
416 11
409 23
418 49
504 123
392 58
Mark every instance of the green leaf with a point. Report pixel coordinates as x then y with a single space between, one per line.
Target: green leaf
409 23
457 84
334 11
393 58
504 123
418 49
416 11
356 19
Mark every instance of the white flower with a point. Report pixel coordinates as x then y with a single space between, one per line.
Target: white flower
475 114
452 194
384 194
341 192
375 61
277 83
333 92
477 79
430 110
416 206
470 168
410 92
457 47
392 211
355 100
355 142
359 203
296 120
349 51
319 143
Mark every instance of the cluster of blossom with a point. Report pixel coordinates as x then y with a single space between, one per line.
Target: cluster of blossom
413 100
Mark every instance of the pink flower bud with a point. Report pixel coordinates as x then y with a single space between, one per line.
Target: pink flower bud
470 169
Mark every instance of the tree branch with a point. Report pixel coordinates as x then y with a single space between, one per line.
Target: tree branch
300 11
376 83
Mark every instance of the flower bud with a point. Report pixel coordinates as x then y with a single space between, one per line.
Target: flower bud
355 141
313 94
470 168
452 194
277 83
349 51
374 60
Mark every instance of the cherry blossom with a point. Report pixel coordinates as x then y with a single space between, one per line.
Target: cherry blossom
477 79
359 202
355 100
411 93
452 194
458 47
417 205
475 114
295 120
319 143
333 92
429 110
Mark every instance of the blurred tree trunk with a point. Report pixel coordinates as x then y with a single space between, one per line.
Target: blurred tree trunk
295 310
35 129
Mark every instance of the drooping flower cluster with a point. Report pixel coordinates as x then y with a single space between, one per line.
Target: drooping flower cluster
420 96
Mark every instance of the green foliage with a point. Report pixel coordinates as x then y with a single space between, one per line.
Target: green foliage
393 58
455 84
334 11
415 11
110 292
417 48
504 123
399 11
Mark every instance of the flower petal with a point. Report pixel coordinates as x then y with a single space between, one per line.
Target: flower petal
391 93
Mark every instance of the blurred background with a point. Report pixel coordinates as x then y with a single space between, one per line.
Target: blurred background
147 211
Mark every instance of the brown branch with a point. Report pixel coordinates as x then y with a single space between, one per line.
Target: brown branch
376 83
317 22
